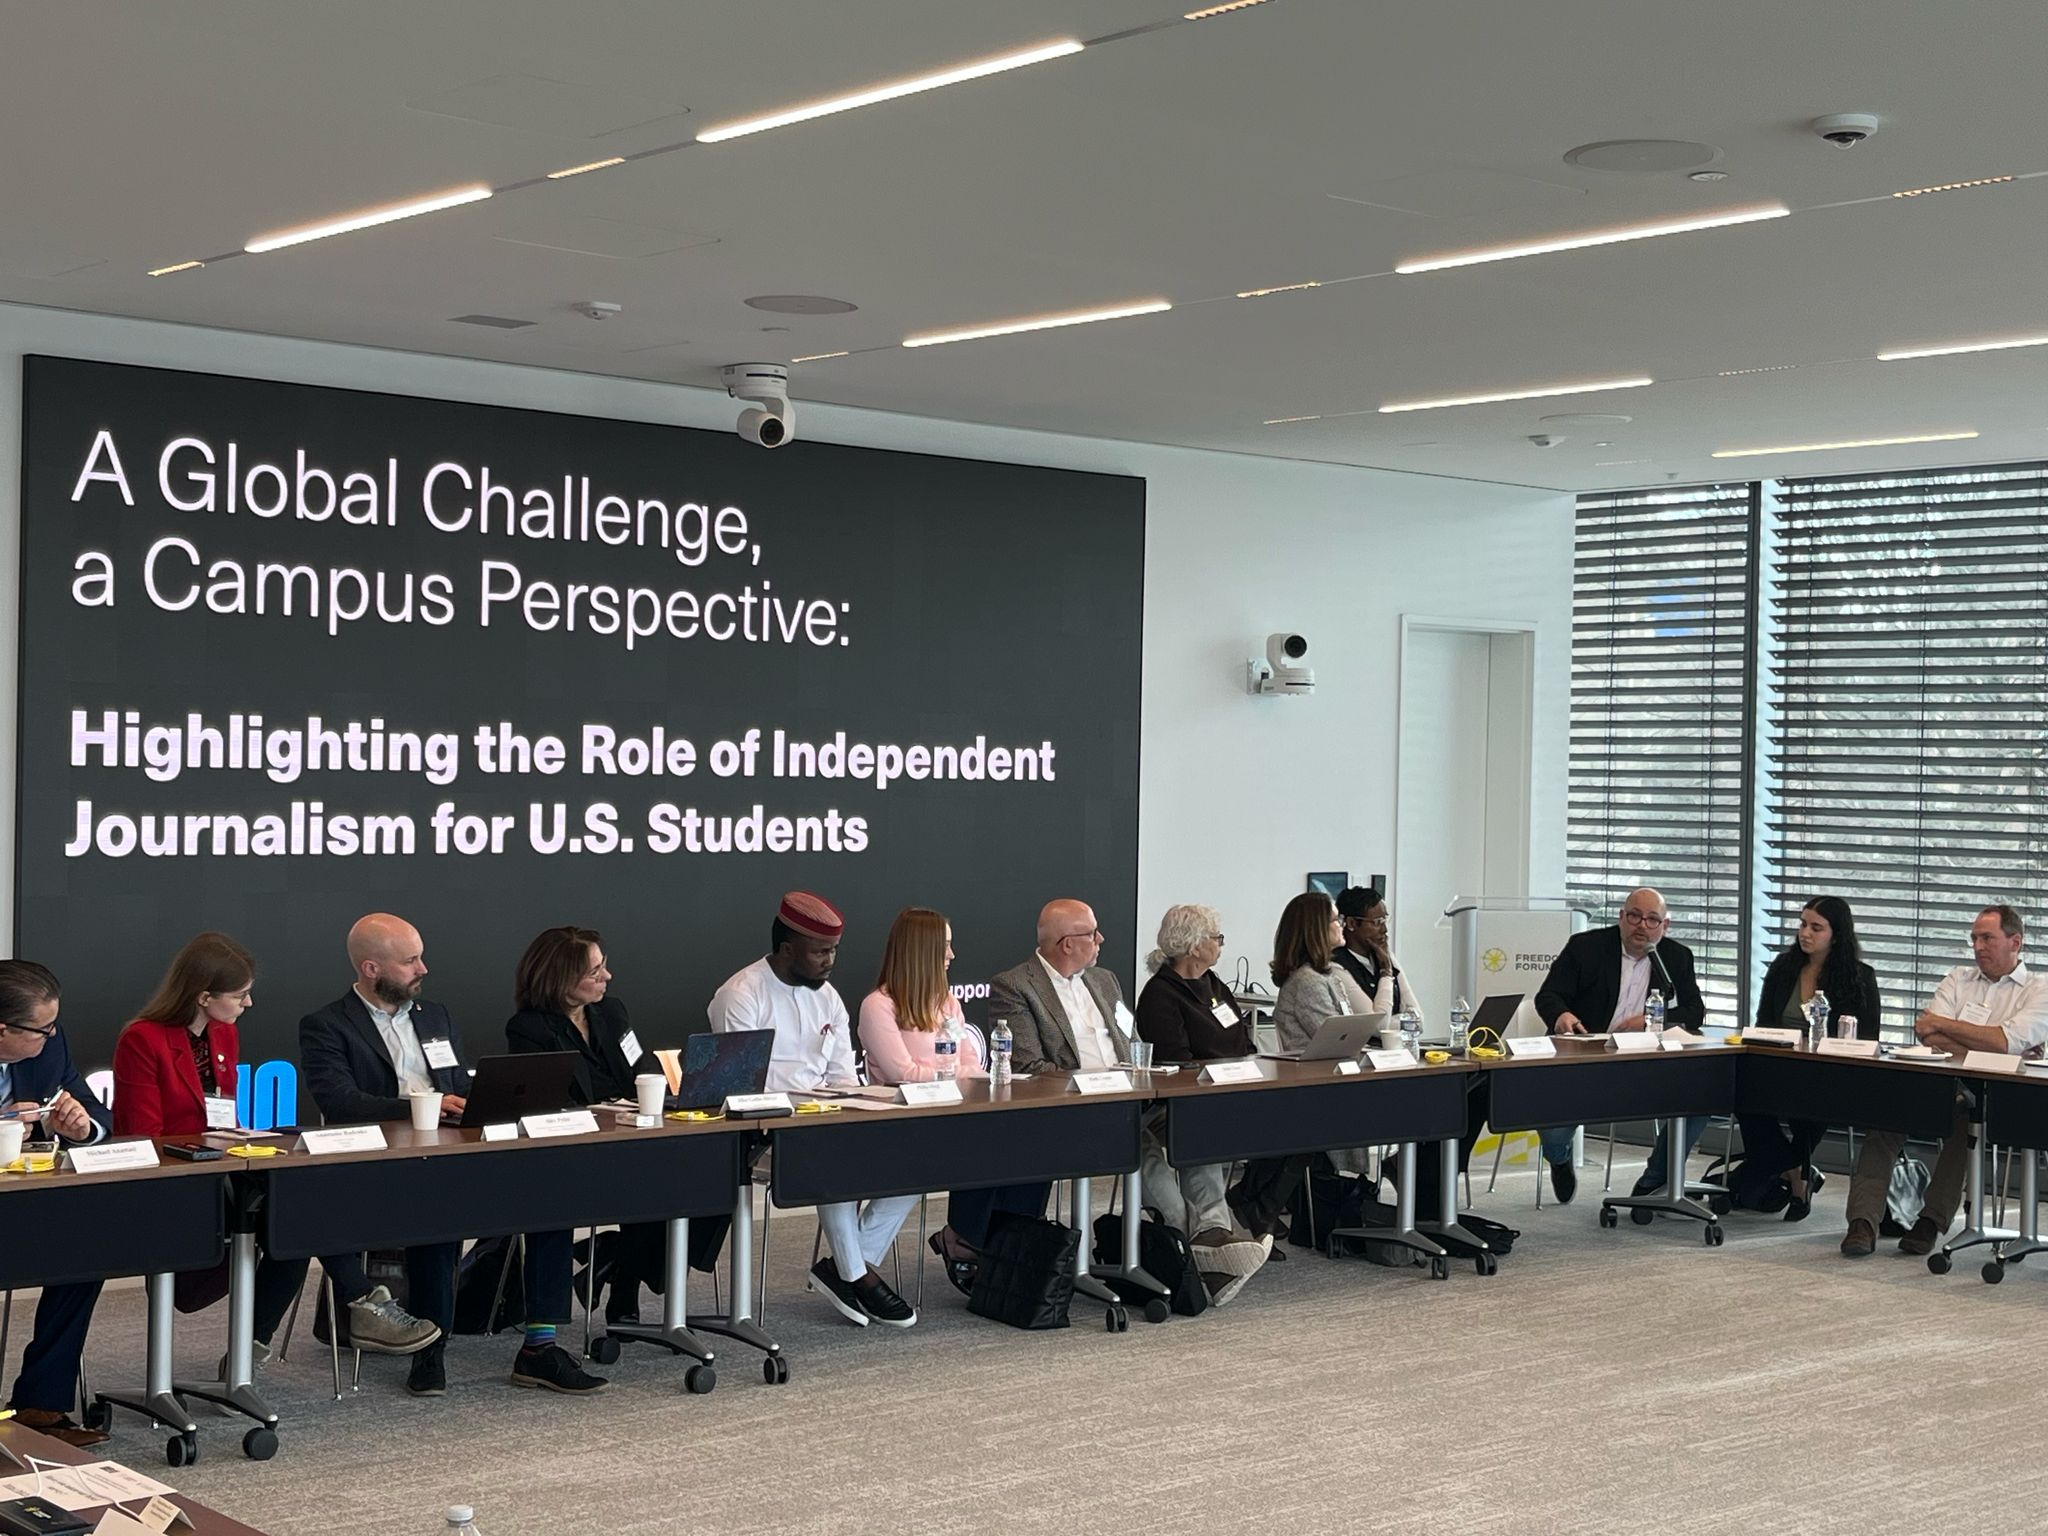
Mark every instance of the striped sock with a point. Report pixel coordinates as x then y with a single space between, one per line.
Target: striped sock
539 1335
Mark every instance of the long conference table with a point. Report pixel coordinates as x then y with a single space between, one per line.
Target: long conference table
447 1184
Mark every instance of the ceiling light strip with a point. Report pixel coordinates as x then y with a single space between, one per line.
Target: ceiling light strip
1281 421
1519 394
580 170
1044 323
1954 186
1904 354
1736 373
389 214
1260 293
1598 237
889 92
819 357
1222 10
1866 442
183 266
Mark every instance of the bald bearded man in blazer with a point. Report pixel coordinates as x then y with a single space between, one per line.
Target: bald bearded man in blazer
1062 1006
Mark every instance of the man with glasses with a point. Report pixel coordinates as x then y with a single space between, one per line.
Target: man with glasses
1600 983
1066 1012
38 1083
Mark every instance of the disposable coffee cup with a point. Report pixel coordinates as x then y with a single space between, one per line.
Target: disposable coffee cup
11 1132
426 1111
648 1091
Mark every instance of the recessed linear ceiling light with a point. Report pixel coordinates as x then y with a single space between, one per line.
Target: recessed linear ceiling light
1045 323
1867 442
1971 346
1954 186
1598 237
1222 10
1260 293
1281 421
1518 394
888 92
183 266
578 170
819 357
390 213
1736 373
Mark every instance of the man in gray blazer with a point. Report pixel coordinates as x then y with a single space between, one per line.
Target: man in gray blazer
1062 1006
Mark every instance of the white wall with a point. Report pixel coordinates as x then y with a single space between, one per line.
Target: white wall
1239 797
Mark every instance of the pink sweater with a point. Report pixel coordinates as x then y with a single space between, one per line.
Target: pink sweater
897 1055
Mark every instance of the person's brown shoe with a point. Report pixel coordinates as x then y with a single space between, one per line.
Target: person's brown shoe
1861 1241
1922 1238
58 1426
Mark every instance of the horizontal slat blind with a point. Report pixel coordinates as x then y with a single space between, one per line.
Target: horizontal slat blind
1662 648
1911 682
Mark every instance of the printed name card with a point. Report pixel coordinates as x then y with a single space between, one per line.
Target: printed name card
1389 1061
928 1093
1867 1049
1348 1069
1635 1040
507 1130
1232 1072
1679 1039
568 1122
1991 1061
629 1044
116 1155
220 1112
1754 1036
1100 1082
1530 1047
758 1104
344 1138
439 1053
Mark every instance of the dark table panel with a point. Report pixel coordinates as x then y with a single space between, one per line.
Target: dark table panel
2016 1111
1841 1090
64 1227
1578 1086
1313 1114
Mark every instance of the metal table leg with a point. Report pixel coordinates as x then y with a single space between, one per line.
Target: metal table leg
1446 1226
1085 1283
1131 1271
673 1332
1980 1229
237 1392
2029 1239
1404 1231
1673 1199
738 1323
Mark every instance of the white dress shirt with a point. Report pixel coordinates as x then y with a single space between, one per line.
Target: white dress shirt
2016 1003
1084 1017
1635 989
813 1042
401 1044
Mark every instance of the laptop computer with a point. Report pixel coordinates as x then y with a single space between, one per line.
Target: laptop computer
715 1066
533 1083
1339 1037
1496 1013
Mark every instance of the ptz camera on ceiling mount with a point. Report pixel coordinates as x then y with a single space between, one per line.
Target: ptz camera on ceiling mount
769 419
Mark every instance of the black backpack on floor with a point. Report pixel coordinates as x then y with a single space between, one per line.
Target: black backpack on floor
1163 1253
1025 1276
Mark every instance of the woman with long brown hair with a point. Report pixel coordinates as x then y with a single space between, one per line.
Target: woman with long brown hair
1313 986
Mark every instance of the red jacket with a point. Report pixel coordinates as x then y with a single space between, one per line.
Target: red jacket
156 1084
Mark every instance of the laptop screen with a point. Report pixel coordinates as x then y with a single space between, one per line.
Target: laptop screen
716 1065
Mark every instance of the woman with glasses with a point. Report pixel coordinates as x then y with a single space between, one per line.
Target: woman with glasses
1366 955
175 1072
1823 957
1313 986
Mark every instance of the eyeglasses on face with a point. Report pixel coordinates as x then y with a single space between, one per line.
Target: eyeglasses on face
1643 919
42 1030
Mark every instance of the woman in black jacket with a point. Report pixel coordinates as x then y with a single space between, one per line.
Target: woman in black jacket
1823 957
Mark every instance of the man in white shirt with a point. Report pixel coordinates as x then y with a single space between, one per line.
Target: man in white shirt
1994 1004
787 991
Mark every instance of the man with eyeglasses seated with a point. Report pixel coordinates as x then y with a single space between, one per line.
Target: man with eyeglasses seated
1062 1007
38 1083
1992 1004
1600 982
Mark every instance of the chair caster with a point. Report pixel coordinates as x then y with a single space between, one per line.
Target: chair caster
1609 1216
1940 1263
1720 1205
260 1444
99 1415
1715 1237
1116 1320
604 1349
1158 1310
1485 1264
1440 1268
700 1379
182 1450
1993 1271
774 1370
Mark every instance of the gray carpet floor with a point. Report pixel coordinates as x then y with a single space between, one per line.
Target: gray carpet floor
1622 1381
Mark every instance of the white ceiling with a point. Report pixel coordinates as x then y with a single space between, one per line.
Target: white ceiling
1284 143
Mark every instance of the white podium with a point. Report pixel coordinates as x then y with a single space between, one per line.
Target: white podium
1505 944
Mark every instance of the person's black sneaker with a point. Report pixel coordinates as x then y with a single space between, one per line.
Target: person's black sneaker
879 1300
554 1369
1564 1179
428 1376
844 1296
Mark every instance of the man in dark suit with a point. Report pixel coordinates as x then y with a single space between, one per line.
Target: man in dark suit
361 1055
1063 1008
39 1082
1600 983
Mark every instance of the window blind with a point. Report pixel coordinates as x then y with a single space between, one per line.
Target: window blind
1663 647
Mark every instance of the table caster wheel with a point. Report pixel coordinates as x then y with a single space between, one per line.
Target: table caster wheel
1720 1205
1158 1310
100 1416
700 1379
604 1349
1715 1236
1609 1216
260 1444
1940 1263
1439 1268
1486 1264
182 1450
1994 1271
1116 1320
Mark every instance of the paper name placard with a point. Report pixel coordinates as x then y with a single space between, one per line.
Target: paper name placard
1755 1036
1682 1037
1100 1082
1990 1061
1527 1047
1348 1069
928 1093
1636 1040
116 1155
758 1104
507 1130
160 1514
344 1138
567 1122
1864 1048
1389 1061
1232 1072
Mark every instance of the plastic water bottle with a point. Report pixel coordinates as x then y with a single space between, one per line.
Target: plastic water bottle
1411 1031
1461 1026
1653 1016
1817 1013
946 1052
999 1043
461 1521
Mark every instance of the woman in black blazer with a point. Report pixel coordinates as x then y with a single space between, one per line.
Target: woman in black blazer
1823 957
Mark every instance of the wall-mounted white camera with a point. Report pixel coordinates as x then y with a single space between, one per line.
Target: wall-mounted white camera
769 419
1283 669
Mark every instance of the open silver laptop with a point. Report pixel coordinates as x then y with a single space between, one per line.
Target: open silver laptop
1341 1036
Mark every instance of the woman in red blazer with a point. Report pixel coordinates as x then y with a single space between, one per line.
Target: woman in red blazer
179 1054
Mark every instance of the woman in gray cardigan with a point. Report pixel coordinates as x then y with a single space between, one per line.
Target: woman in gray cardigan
1313 987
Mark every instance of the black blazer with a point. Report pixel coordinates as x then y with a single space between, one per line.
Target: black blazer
1173 1015
349 1073
602 1069
1783 977
1585 979
41 1075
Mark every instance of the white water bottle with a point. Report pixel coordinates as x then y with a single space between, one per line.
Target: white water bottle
1653 1016
1817 1013
946 1052
1461 1026
461 1521
1000 1042
1411 1030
